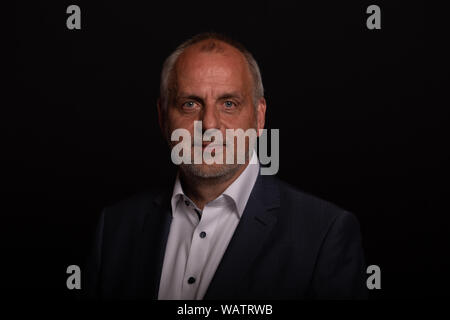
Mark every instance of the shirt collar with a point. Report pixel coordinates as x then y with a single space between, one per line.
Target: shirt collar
239 191
177 193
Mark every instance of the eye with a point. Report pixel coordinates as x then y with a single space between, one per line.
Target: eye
229 104
189 104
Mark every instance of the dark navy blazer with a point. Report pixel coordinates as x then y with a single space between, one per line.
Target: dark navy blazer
287 245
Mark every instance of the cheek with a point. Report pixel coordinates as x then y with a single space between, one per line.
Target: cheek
174 122
244 120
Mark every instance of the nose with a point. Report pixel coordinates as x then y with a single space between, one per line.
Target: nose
210 117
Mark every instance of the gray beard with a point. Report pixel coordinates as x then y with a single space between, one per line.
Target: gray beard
223 171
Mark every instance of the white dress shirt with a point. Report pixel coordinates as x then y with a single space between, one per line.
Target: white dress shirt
198 239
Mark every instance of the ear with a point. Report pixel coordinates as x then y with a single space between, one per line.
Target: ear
161 117
261 113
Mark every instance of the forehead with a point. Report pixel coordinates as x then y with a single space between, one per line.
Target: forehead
208 64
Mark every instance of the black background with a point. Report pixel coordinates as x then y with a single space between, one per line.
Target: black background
356 125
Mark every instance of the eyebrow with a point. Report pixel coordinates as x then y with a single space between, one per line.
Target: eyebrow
228 95
190 97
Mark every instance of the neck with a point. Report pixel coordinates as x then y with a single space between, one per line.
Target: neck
203 190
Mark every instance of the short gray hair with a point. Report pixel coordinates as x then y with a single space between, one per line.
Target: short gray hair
167 89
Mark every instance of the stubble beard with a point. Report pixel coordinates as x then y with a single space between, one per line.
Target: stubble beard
215 171
221 172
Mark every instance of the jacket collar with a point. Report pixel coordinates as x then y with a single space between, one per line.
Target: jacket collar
257 221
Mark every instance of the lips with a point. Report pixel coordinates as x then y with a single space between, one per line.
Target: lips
210 145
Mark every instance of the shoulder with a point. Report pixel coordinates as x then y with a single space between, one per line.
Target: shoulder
303 209
132 210
294 196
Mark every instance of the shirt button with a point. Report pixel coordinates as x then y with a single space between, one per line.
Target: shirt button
202 234
191 280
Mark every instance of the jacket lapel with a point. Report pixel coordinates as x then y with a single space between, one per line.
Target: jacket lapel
255 225
155 232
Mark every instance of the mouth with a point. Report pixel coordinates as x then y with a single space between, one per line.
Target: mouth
210 145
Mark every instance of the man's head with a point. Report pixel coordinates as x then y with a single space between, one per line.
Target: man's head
213 79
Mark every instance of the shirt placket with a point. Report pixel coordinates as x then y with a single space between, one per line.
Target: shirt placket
198 253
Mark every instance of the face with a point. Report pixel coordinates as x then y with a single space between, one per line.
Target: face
217 89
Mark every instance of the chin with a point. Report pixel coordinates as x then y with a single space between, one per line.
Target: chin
209 171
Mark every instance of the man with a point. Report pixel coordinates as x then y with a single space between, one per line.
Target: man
224 231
